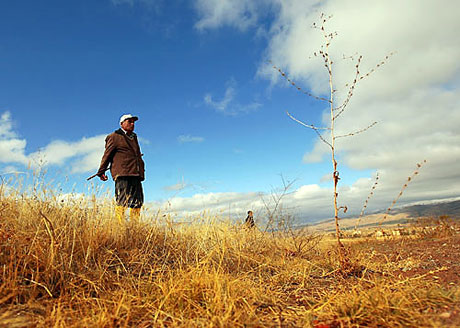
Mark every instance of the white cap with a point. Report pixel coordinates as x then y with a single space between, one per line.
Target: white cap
126 116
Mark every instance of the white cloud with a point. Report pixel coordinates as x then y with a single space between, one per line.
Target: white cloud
6 126
220 203
10 169
307 203
413 97
188 138
143 141
240 14
12 147
80 156
228 105
222 105
307 191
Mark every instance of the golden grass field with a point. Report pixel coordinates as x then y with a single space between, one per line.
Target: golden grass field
67 263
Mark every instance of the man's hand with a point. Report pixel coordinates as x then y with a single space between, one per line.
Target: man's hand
103 177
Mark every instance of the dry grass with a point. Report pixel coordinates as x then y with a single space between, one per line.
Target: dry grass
68 264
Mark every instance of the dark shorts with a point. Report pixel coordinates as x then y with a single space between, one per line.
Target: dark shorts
128 192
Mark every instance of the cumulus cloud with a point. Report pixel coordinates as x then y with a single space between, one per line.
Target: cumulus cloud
240 14
188 138
222 105
413 97
228 105
80 156
83 155
10 169
307 191
219 203
306 204
12 147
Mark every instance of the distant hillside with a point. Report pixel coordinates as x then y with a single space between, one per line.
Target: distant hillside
451 209
366 222
398 216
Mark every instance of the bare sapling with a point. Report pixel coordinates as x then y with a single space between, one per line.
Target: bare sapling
292 240
335 112
273 207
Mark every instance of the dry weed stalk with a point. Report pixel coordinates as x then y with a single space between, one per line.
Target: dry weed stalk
335 112
371 193
409 179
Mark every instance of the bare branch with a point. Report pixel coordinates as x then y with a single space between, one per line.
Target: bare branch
324 140
358 78
356 132
342 107
352 57
295 85
314 128
306 125
377 66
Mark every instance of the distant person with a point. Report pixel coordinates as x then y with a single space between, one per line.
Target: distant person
123 153
249 222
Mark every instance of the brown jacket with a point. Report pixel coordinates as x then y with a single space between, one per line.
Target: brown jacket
124 154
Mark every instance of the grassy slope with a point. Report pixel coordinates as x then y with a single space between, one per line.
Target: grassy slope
68 264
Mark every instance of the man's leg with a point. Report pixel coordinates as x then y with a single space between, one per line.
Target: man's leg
120 213
129 193
136 200
121 188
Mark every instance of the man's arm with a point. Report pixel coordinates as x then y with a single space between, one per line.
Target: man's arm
106 158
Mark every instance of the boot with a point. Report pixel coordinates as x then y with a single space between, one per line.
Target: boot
120 213
135 214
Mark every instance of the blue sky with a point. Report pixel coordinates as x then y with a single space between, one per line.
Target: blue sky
211 110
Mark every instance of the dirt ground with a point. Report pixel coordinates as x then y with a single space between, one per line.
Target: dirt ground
437 258
431 258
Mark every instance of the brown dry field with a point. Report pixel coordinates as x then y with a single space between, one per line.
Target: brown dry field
69 264
368 222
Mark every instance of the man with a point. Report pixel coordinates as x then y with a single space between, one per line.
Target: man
123 153
249 222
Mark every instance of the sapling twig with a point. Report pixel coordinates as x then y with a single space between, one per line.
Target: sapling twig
371 193
313 128
409 179
356 132
295 85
